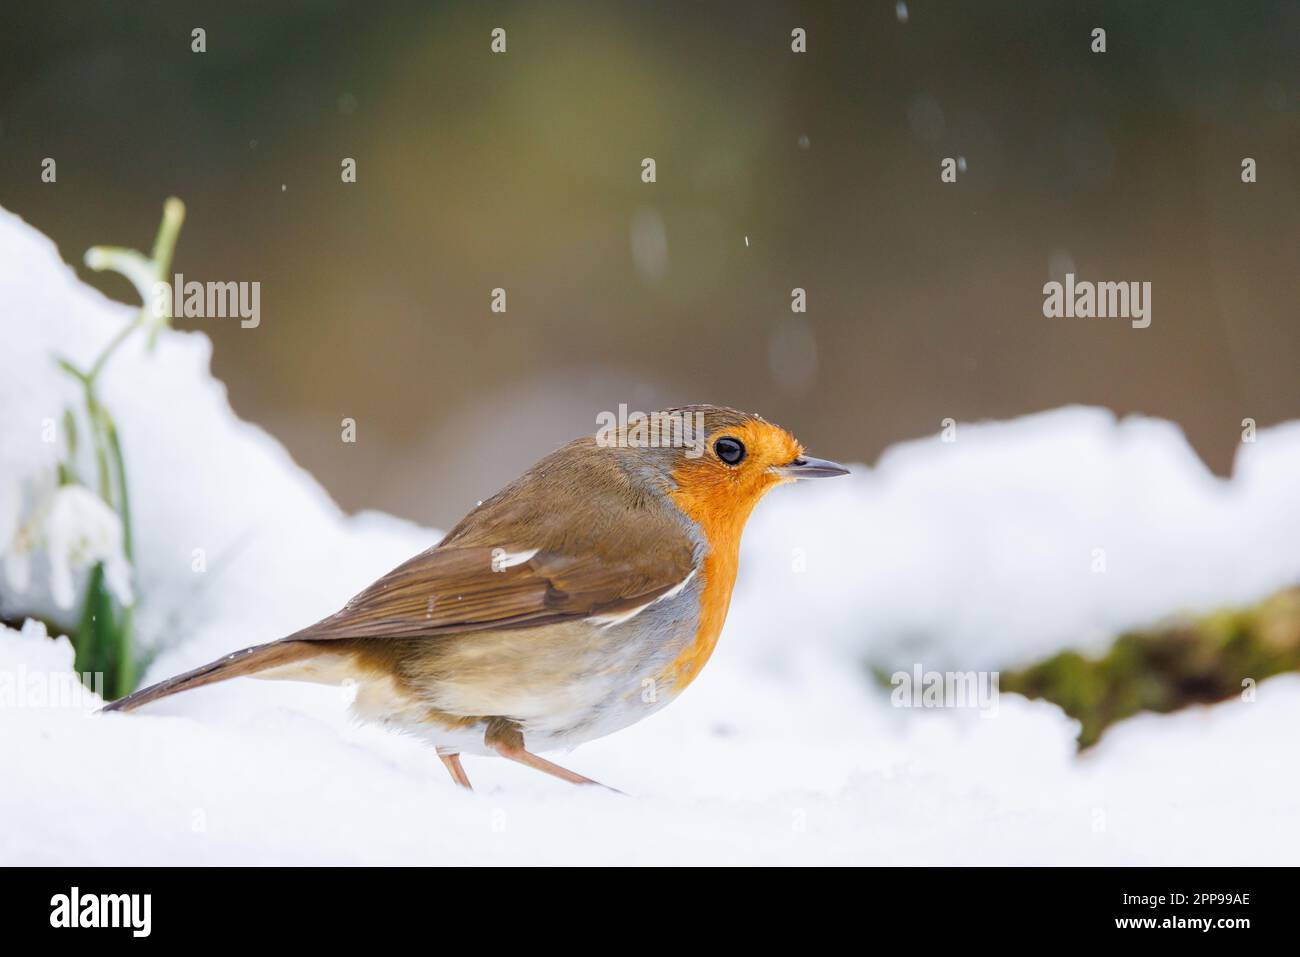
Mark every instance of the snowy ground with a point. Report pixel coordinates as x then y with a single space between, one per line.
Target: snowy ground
974 554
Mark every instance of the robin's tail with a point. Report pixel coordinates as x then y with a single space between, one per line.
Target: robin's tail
250 661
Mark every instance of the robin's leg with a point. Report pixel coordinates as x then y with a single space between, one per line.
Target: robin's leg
505 738
452 763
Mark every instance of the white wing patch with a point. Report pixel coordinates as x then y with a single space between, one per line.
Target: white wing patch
607 621
502 559
677 589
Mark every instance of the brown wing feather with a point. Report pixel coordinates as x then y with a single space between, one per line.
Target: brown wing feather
447 590
606 544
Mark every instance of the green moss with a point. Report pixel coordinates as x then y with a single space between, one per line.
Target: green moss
1196 661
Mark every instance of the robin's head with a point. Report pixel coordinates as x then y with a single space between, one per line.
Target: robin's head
720 462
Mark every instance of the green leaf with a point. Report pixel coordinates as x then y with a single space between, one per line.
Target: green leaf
70 432
103 642
67 366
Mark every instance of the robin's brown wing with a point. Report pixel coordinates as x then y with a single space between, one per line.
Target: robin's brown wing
582 533
456 589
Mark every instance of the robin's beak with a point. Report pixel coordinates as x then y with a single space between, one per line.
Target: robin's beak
807 467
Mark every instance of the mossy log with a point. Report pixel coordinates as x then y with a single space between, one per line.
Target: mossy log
1197 661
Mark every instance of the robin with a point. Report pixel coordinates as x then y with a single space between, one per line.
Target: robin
579 599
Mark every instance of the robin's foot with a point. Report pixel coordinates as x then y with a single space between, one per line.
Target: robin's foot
452 763
541 764
504 738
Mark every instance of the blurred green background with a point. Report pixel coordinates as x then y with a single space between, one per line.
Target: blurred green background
775 170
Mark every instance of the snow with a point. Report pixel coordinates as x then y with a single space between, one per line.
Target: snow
979 553
975 554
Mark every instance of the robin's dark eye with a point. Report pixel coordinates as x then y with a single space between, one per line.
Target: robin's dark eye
730 451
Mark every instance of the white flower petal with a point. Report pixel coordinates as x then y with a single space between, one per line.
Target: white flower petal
81 531
128 262
18 570
61 579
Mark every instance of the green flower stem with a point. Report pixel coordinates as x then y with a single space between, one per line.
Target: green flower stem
119 468
105 637
94 412
164 247
103 432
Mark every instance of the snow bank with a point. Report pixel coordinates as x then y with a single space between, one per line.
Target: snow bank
1020 538
973 554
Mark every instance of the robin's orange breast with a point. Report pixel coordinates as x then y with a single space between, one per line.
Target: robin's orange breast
722 528
719 574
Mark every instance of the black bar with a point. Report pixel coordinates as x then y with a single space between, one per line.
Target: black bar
331 906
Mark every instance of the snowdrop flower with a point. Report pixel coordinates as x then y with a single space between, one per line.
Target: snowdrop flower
77 531
14 537
80 531
144 273
128 262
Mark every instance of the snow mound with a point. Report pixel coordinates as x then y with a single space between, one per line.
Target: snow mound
1055 530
